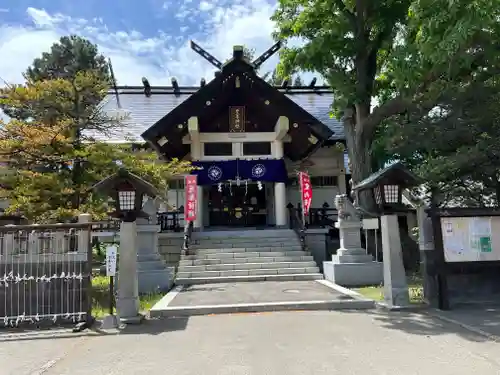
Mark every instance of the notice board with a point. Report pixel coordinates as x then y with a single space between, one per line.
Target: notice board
471 239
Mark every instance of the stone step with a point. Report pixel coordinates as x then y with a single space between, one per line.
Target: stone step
246 239
246 266
251 272
249 244
207 261
254 254
247 233
231 279
246 249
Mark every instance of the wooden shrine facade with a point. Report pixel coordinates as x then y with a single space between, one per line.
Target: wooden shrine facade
237 100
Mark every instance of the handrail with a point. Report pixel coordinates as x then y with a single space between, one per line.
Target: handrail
170 220
320 217
188 230
297 225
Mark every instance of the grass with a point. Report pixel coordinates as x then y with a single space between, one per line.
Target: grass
415 289
100 297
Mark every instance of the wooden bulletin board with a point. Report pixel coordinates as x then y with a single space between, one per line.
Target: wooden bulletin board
471 239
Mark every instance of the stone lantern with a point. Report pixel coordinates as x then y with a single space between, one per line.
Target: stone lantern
387 186
128 192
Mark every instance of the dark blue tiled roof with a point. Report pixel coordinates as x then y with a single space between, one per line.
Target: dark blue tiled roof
143 112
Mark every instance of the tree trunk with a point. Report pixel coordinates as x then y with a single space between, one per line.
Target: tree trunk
359 150
497 194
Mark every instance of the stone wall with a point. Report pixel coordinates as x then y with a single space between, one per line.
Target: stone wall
169 247
317 244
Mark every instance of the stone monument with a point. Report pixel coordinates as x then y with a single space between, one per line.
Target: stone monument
351 266
153 274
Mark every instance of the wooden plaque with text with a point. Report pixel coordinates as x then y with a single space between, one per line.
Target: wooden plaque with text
237 119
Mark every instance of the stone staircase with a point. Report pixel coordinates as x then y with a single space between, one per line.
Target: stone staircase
246 255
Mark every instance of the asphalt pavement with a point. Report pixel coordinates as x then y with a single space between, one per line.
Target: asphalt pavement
291 343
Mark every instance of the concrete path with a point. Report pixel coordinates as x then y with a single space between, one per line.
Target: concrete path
256 297
484 318
292 343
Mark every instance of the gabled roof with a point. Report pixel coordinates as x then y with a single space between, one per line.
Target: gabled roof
237 85
143 112
395 173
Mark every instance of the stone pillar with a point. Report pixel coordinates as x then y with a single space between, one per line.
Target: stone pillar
84 235
427 257
395 285
280 204
350 250
127 302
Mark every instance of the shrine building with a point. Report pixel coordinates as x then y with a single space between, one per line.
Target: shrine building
247 138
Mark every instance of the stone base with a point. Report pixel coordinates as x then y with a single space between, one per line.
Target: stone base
396 297
153 275
364 258
154 281
352 256
126 307
137 319
354 274
110 322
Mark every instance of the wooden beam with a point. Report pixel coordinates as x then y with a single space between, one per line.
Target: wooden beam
282 127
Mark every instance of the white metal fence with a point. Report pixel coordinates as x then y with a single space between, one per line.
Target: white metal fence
45 273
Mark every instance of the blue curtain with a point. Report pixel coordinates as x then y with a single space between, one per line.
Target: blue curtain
213 172
265 170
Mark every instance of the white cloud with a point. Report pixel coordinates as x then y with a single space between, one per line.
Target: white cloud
133 55
206 6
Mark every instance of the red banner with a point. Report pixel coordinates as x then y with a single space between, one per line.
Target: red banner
191 192
305 191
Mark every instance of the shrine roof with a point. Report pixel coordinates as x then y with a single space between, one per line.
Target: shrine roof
143 112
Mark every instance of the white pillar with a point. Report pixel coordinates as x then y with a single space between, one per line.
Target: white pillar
127 302
198 223
280 204
279 190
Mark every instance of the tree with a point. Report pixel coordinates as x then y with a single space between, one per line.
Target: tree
249 53
272 78
41 153
67 57
400 53
297 81
464 163
275 79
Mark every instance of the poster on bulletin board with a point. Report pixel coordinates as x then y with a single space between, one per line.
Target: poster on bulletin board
471 239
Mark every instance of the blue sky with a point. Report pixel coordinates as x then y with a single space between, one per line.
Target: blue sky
142 38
